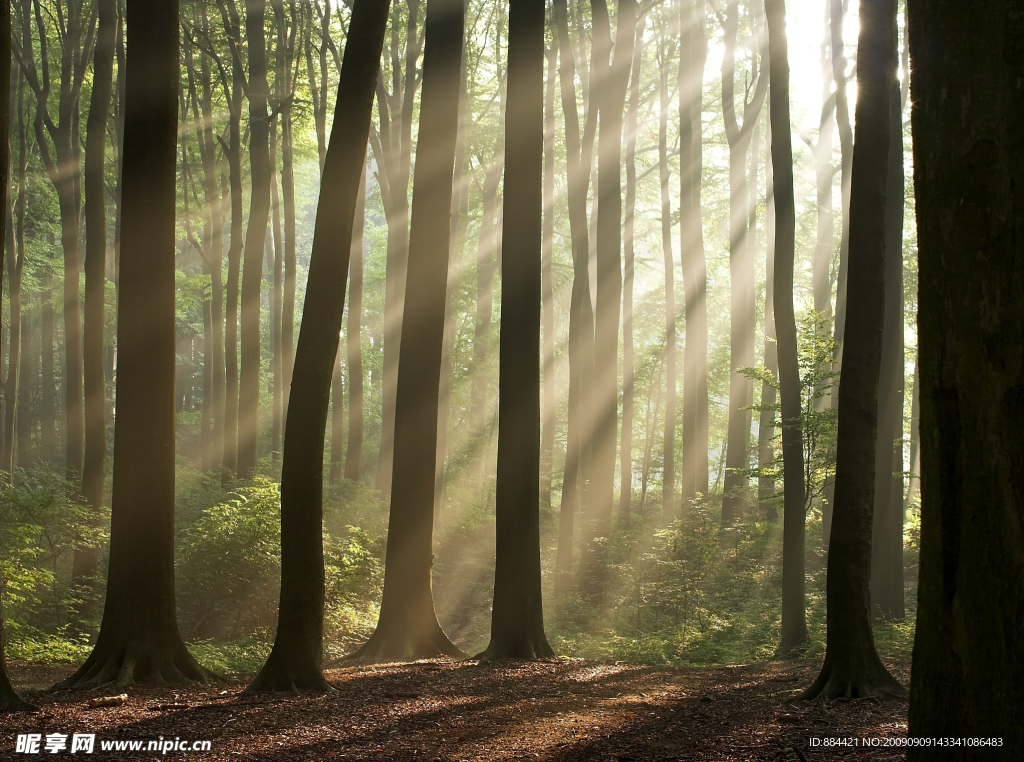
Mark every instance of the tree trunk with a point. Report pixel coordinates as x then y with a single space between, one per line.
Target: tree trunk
353 339
741 279
296 658
614 76
581 317
408 628
769 392
852 667
693 55
794 623
48 441
628 353
337 421
967 677
255 236
138 639
887 529
9 700
487 248
548 419
276 299
86 558
517 615
669 479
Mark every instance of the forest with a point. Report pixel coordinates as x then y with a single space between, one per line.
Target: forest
559 379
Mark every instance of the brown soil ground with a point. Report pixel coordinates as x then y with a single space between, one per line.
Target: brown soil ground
449 711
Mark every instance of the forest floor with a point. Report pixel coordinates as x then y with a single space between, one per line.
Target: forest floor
449 711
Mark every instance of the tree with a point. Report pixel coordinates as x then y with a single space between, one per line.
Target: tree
138 639
852 667
887 531
295 660
668 487
794 623
9 700
613 74
769 391
967 676
94 470
353 341
517 616
693 48
741 275
408 627
255 236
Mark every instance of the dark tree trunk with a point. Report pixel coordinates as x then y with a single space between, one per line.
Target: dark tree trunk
614 77
276 295
353 340
408 627
517 615
138 639
295 661
887 528
769 392
9 700
86 558
794 623
548 420
967 677
255 236
741 279
669 479
628 353
693 55
48 441
581 317
852 667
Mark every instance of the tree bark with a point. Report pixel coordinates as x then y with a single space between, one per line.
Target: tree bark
353 340
741 279
139 639
887 528
693 56
967 677
296 659
794 623
548 415
769 393
517 615
408 628
252 261
669 479
86 559
852 667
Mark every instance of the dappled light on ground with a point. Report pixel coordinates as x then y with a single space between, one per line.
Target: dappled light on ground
450 711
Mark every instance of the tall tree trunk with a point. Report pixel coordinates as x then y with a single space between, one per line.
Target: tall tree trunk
296 659
276 298
669 479
517 615
252 264
628 354
769 393
138 639
49 443
487 248
86 558
581 317
615 78
408 627
852 667
741 279
693 55
967 678
794 621
397 163
887 530
548 420
353 340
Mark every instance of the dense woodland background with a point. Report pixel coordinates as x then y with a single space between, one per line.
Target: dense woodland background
679 558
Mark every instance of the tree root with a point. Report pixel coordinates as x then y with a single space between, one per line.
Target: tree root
129 666
835 683
280 674
386 645
12 702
